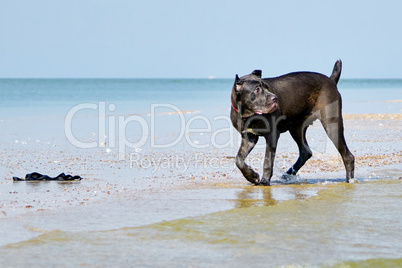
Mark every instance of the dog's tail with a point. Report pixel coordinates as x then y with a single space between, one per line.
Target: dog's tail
336 72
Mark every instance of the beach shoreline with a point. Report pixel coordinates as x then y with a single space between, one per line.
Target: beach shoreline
372 138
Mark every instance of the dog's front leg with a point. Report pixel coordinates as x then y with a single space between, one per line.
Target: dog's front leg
272 141
268 165
247 144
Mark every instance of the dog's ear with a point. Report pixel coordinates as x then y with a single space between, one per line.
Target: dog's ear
238 84
237 79
257 73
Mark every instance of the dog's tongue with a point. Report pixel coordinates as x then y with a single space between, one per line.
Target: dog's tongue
258 112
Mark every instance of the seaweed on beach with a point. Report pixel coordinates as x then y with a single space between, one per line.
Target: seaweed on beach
35 176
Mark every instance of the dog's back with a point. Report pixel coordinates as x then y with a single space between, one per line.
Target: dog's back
301 93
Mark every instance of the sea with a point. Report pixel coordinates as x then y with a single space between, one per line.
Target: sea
123 215
38 96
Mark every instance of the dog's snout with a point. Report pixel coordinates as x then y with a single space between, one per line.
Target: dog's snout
274 99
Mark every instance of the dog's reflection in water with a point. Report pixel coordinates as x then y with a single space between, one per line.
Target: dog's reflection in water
260 196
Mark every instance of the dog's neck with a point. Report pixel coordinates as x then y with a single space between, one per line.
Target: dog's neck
231 101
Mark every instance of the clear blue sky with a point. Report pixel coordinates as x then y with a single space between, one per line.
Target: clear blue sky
198 39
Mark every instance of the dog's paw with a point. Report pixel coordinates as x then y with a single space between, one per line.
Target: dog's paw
257 180
288 178
265 182
352 180
254 179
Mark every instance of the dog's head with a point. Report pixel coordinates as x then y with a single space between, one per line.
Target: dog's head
253 95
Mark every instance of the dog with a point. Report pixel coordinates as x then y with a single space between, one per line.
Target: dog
269 106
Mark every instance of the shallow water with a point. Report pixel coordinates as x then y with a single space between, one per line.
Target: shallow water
259 226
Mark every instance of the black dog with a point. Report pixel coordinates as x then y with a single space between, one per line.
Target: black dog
267 107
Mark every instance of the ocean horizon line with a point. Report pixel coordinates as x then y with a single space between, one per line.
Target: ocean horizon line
170 78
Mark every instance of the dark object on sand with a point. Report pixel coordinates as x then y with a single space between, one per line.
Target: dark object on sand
39 177
269 106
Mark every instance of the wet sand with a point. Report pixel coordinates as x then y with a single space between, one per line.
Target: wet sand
133 210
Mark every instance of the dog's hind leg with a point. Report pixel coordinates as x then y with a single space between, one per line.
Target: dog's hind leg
248 142
299 136
332 122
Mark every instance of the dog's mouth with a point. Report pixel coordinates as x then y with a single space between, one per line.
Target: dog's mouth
267 110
